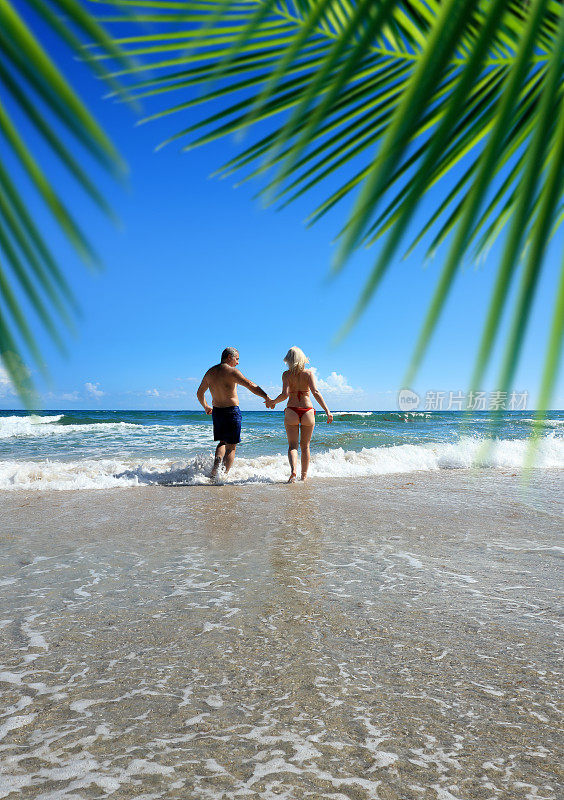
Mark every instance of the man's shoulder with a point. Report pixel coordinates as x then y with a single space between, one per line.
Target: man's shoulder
223 370
213 371
227 369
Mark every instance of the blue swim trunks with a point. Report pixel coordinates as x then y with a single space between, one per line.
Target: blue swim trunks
227 424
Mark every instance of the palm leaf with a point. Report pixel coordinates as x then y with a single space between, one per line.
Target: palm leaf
550 109
554 355
409 92
35 87
474 199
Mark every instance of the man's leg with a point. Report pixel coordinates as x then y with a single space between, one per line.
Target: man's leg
219 455
229 456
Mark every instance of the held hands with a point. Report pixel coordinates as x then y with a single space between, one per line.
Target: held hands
269 403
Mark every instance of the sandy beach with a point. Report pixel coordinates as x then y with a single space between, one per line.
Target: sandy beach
391 637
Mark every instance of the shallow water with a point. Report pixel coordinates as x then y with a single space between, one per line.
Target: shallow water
385 638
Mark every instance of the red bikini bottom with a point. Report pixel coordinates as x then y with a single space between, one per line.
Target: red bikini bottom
301 411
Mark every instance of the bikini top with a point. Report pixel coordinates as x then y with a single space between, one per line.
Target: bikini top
300 392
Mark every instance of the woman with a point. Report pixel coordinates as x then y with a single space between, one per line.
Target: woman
299 416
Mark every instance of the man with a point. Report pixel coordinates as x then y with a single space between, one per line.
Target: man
222 380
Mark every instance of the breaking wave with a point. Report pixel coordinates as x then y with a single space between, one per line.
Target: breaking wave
335 463
19 427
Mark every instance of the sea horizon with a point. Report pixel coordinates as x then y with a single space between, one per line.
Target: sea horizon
396 410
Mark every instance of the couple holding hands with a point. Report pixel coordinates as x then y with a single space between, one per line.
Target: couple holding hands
299 416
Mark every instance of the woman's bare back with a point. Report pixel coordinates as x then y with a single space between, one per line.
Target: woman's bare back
299 385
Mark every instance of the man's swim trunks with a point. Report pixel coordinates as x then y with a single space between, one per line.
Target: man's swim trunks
227 424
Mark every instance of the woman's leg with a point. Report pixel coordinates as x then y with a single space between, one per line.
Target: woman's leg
292 425
307 426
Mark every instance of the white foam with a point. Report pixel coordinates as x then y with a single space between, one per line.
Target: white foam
548 423
384 759
82 705
35 638
403 415
411 560
25 426
16 722
338 463
36 426
350 413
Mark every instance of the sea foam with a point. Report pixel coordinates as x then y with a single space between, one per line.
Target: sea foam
335 463
26 426
43 426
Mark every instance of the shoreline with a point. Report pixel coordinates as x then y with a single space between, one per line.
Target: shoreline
375 464
538 479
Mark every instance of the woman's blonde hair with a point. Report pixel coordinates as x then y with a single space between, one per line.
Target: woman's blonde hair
296 359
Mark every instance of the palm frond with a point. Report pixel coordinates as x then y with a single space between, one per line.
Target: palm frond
393 97
35 88
544 136
553 359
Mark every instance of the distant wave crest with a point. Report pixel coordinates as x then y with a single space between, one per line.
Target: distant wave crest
33 426
351 413
25 426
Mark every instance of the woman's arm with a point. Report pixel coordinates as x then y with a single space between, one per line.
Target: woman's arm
283 394
318 396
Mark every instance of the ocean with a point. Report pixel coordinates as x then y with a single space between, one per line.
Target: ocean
62 449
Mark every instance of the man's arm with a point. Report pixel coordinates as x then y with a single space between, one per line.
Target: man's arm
200 394
252 387
285 390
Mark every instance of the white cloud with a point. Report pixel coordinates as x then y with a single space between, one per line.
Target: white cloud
6 386
71 397
171 394
93 389
335 384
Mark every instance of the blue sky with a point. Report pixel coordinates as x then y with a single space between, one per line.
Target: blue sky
197 265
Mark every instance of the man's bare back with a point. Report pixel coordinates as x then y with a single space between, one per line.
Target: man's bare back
221 381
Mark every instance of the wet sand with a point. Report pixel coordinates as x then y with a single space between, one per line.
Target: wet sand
393 637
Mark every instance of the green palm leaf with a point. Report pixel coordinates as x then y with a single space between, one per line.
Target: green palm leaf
408 93
34 86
